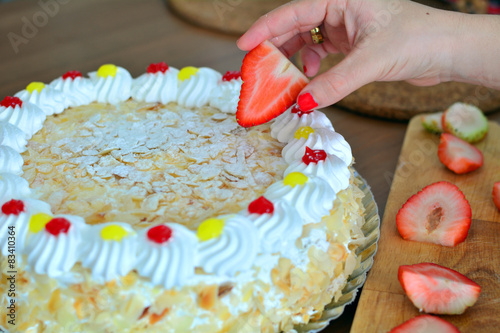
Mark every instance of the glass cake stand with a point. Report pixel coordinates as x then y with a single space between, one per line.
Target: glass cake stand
371 230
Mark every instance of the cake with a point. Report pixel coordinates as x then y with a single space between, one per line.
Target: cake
140 205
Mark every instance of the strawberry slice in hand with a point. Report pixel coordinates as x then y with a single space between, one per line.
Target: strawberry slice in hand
425 324
458 155
271 84
436 289
438 214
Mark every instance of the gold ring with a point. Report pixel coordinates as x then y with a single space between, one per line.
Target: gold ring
317 36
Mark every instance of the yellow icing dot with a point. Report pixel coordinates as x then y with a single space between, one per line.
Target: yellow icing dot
295 178
38 86
107 70
187 72
113 233
38 222
210 228
303 132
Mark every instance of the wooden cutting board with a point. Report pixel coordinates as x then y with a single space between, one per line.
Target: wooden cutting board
383 304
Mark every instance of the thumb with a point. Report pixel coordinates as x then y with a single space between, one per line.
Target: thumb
353 72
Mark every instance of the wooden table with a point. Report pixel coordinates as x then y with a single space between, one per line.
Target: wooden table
41 44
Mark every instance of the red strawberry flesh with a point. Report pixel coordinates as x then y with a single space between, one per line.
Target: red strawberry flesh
271 84
496 194
436 289
438 214
458 155
425 324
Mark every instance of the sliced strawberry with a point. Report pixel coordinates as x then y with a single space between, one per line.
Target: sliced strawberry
271 84
466 122
432 122
458 155
425 324
496 194
438 214
436 289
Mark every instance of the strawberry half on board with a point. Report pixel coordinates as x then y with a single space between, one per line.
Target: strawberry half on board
425 324
496 194
465 121
436 289
438 214
271 84
458 155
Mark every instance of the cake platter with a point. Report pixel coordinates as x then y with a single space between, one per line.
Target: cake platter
366 252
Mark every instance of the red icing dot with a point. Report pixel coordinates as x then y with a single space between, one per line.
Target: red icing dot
261 206
160 234
313 156
13 207
11 101
159 67
299 112
57 225
231 75
72 75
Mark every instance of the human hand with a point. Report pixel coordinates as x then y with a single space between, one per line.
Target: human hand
389 40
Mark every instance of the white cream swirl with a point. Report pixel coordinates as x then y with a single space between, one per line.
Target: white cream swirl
197 90
28 118
322 138
333 170
284 126
10 161
112 89
226 95
55 255
11 136
313 199
156 88
233 251
13 187
277 230
79 91
20 223
108 259
170 264
49 100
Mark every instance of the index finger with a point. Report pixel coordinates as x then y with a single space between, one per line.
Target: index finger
288 20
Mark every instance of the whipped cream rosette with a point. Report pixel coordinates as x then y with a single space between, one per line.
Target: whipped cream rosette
109 250
13 187
158 85
225 96
11 136
317 138
16 214
78 90
49 100
316 162
311 196
227 245
26 116
167 254
53 243
196 85
112 84
10 161
286 124
279 224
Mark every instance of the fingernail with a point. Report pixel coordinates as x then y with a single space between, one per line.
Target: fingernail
305 70
306 102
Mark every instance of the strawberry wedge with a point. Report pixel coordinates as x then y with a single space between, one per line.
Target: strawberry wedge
458 155
436 289
425 324
271 84
496 194
438 214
